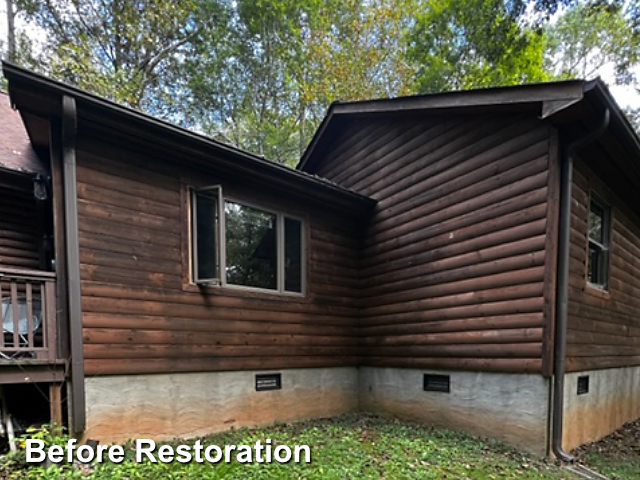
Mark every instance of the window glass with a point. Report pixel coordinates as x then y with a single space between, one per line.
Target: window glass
292 255
205 235
251 246
594 264
596 216
598 258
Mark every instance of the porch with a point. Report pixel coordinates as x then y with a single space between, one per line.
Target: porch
30 365
29 350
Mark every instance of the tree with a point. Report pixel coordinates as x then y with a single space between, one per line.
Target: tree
11 30
127 50
460 44
284 62
590 37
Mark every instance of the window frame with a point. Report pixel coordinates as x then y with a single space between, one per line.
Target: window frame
604 248
193 235
222 250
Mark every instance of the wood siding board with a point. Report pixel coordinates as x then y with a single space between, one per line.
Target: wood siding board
489 147
428 138
169 365
141 314
505 307
454 259
451 273
604 328
19 231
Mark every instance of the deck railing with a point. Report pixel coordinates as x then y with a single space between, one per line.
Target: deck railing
28 314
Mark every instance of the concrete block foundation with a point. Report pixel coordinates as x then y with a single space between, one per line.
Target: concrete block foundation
513 408
186 405
612 400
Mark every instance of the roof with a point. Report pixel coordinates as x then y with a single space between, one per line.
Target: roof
16 152
552 100
38 97
574 107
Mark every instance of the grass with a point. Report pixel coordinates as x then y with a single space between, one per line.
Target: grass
618 467
346 447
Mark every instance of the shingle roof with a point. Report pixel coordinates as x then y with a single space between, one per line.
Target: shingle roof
16 152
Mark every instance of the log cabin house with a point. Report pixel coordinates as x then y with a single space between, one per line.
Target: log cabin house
468 259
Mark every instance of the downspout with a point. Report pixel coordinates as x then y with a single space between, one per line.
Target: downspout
69 130
562 294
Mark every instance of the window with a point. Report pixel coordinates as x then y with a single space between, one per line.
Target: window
598 259
205 221
252 249
241 245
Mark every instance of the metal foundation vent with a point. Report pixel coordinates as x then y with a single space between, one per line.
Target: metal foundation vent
437 383
583 384
268 381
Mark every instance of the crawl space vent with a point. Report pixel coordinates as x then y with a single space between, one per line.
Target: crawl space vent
268 381
437 383
583 385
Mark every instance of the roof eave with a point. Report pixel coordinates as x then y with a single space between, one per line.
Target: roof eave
548 98
102 110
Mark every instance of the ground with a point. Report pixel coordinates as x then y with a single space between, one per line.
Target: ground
617 456
353 447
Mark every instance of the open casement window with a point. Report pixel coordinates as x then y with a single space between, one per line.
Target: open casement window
206 235
599 234
244 246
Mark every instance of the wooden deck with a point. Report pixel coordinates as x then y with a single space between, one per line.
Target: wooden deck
29 340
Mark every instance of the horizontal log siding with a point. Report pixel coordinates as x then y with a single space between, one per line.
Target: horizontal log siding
454 261
19 230
140 317
604 328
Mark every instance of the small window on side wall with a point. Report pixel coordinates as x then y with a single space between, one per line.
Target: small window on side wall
599 234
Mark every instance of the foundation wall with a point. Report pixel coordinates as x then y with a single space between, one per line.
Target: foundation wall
183 405
612 400
512 408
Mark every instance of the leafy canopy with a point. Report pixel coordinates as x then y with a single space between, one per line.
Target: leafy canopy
260 74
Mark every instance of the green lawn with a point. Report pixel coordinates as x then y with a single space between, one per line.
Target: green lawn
618 467
347 447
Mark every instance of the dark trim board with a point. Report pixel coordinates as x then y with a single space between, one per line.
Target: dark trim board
69 128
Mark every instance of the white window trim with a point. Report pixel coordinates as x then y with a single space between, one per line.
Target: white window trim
222 251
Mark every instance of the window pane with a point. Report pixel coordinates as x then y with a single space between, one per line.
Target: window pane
595 261
596 219
206 237
292 255
251 247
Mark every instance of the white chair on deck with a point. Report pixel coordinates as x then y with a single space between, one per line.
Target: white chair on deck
23 322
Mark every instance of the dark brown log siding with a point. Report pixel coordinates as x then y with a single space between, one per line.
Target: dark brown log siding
140 314
604 327
19 228
454 262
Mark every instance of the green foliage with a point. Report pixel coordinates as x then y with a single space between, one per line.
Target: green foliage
260 74
349 447
460 44
590 36
266 87
129 51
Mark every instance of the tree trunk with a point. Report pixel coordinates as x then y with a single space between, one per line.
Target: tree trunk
11 31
